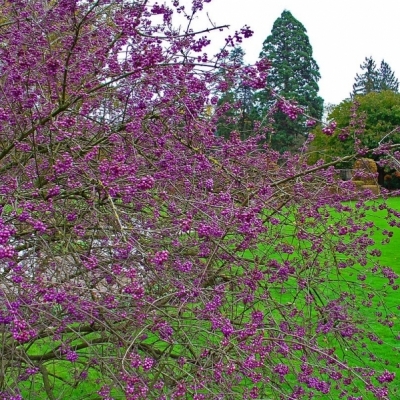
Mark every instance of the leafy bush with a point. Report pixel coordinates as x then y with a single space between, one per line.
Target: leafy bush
141 256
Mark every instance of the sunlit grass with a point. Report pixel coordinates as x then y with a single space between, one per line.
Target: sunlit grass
377 356
386 353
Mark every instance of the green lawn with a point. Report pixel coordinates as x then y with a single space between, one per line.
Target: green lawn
382 356
385 356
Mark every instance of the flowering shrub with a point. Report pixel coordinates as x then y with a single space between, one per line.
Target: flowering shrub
141 256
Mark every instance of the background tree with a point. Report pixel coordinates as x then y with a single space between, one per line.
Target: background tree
367 122
373 80
238 101
386 78
294 75
143 257
367 81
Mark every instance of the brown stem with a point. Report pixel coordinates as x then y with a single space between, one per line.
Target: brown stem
46 382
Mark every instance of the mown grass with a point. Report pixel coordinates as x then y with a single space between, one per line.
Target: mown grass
382 356
376 356
386 355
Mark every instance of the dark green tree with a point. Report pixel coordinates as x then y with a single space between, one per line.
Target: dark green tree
294 75
236 56
367 81
374 80
237 100
386 78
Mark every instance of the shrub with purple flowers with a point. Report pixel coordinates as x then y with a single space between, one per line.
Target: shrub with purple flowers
144 257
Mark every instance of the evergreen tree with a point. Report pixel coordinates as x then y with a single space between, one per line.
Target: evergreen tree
236 56
386 78
294 75
240 98
373 80
367 81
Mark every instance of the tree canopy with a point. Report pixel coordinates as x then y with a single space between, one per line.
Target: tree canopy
294 75
386 78
238 100
366 121
374 80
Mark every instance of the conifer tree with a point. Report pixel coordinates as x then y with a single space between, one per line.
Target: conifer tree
294 74
367 81
386 78
374 80
238 100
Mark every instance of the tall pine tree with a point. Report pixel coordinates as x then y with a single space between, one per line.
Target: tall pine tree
367 81
374 80
240 98
294 75
386 78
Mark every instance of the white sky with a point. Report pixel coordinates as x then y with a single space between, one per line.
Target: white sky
341 32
